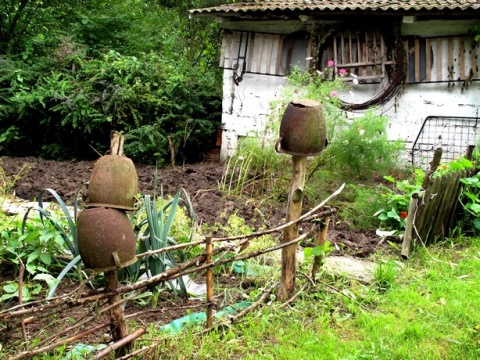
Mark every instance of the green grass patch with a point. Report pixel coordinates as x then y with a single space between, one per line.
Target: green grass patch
429 310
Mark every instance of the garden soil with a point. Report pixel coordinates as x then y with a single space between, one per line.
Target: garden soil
201 181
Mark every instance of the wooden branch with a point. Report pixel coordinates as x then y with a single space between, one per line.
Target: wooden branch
294 210
116 143
287 224
437 156
118 326
292 299
41 350
209 281
120 344
318 260
407 238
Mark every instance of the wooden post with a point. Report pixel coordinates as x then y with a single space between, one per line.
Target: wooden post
318 260
118 326
437 156
209 281
407 237
294 210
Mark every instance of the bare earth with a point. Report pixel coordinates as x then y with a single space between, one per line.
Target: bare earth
201 181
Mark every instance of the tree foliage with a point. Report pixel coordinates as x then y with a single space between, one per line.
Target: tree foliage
73 71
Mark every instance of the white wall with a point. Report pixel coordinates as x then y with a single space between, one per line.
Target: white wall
246 106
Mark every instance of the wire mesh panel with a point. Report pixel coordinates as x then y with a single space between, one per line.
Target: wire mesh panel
453 134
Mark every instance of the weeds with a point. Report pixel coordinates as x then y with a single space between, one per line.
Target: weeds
385 274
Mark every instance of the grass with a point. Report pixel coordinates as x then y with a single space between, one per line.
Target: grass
425 310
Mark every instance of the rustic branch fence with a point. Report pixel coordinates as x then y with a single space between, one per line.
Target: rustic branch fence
433 210
14 319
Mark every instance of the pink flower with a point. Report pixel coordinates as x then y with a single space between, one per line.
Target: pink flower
342 72
330 63
333 93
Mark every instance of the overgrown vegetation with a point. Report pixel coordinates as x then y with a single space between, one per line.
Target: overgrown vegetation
71 73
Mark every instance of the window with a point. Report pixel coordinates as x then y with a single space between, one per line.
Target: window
358 54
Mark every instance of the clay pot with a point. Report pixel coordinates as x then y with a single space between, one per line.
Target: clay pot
113 183
302 130
106 240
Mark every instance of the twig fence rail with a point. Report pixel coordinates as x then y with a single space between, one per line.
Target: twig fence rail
14 319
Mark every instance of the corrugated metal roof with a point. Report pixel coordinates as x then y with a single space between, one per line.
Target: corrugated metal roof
264 6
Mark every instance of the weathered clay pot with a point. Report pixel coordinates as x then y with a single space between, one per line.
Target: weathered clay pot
302 130
106 240
113 183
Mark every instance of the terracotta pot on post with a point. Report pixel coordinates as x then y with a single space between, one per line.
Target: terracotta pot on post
303 129
302 134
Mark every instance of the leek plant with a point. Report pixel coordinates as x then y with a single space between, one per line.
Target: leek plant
154 233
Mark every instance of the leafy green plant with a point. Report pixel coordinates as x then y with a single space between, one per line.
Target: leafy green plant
154 230
358 204
319 250
385 274
10 290
470 200
397 200
360 149
61 233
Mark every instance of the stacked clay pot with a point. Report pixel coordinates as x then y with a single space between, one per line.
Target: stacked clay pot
105 236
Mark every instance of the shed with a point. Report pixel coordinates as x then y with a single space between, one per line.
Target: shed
416 61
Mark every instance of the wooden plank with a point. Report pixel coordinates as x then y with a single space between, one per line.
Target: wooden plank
278 67
451 67
407 52
435 221
382 49
259 53
461 57
308 63
365 54
335 58
474 59
222 52
231 51
251 50
350 50
268 65
359 52
368 63
438 59
428 61
289 54
417 60
342 49
375 54
366 77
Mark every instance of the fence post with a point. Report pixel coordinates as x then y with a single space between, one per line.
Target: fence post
209 281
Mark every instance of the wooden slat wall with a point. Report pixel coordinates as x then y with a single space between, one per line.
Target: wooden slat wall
268 54
454 59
